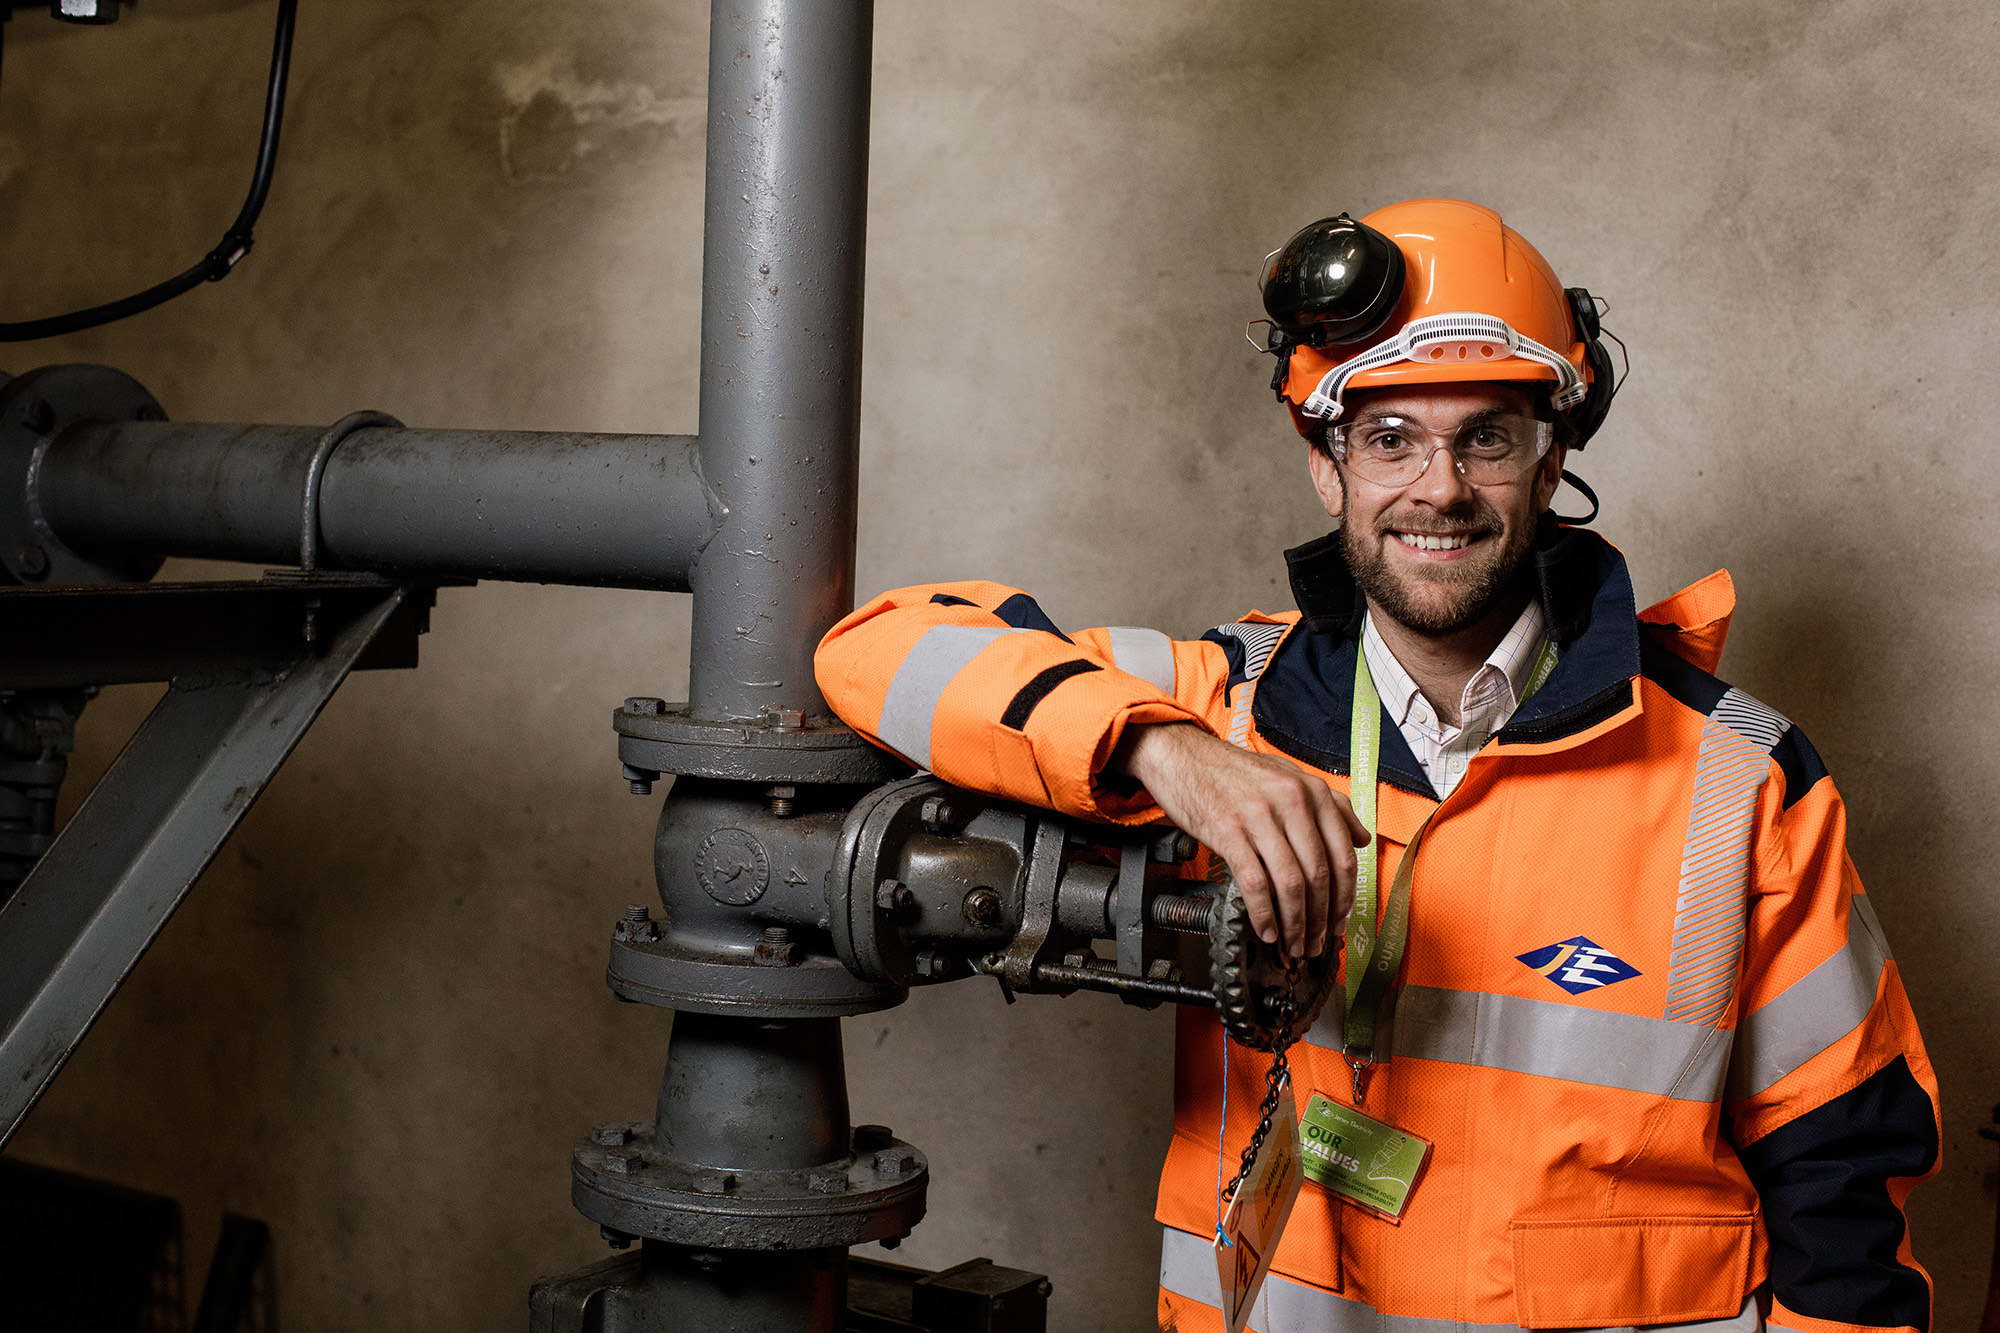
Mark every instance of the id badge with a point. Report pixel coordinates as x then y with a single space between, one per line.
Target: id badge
1360 1158
1247 1235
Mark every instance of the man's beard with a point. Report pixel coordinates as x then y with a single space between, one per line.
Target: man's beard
1472 587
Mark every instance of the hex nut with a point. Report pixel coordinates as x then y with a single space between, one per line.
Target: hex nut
869 1138
936 814
611 1136
624 1164
645 706
34 561
894 897
898 1160
784 719
1173 847
636 926
774 950
715 1182
982 907
830 1179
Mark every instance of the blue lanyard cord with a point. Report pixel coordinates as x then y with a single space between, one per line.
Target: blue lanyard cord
1221 1133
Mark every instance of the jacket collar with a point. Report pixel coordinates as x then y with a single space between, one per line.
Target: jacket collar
1305 698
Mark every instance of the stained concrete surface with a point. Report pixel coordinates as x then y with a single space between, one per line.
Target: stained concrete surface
380 1019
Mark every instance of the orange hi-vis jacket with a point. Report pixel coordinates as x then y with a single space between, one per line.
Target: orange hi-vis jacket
1646 1016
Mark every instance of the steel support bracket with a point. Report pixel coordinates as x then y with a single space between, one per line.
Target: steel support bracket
82 918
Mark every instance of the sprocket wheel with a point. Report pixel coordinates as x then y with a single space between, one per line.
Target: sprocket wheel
1249 976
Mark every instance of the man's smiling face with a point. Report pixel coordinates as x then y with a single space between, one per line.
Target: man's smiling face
1439 553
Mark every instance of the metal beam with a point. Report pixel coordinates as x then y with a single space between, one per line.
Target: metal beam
781 288
88 910
118 634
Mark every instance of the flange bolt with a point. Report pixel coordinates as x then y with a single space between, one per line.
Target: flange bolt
894 899
936 814
645 706
637 926
775 949
896 1161
611 1136
982 907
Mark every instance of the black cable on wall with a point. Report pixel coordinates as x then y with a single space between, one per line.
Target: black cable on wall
236 242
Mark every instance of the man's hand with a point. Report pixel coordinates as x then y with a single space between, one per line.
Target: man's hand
1288 837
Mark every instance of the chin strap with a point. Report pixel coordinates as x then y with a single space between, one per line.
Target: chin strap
1578 484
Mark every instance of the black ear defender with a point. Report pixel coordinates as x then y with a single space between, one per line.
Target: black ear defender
1588 415
1336 281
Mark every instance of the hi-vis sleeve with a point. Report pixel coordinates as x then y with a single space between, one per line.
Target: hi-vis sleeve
975 683
1832 1098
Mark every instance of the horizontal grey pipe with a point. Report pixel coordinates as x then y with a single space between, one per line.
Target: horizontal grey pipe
624 511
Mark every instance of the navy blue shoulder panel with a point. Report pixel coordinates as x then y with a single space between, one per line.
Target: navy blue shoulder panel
947 599
1800 764
1824 1182
1024 612
1305 705
1701 692
1686 682
1239 657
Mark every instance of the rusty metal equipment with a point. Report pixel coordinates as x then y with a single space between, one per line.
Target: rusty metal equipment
803 874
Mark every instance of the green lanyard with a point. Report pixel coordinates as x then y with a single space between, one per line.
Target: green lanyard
1374 957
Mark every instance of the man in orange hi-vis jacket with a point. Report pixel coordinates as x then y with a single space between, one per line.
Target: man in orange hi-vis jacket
1643 1013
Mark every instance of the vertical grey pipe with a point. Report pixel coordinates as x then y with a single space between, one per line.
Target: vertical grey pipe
781 281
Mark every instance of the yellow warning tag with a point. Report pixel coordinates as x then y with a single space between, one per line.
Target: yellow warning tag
1248 1235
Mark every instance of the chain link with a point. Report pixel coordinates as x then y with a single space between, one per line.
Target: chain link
1279 1075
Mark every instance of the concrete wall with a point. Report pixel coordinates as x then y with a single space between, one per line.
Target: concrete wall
379 1022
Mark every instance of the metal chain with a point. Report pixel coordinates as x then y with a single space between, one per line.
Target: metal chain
1275 1080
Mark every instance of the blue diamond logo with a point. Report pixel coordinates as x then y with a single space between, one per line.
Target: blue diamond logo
1578 964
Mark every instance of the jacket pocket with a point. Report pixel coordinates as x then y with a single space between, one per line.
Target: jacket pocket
1606 1271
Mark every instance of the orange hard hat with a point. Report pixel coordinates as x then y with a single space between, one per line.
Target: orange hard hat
1425 292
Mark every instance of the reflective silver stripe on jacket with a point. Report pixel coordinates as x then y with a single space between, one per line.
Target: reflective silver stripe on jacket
1751 718
1813 1012
1145 653
1258 641
1711 912
1187 1269
919 683
1684 1061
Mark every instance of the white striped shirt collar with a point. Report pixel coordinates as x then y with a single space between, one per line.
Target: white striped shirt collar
1489 699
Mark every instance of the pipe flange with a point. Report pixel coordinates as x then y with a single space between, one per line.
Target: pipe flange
1248 976
669 974
782 747
34 409
874 1193
860 917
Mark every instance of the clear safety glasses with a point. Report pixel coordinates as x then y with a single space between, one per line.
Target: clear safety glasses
1489 449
